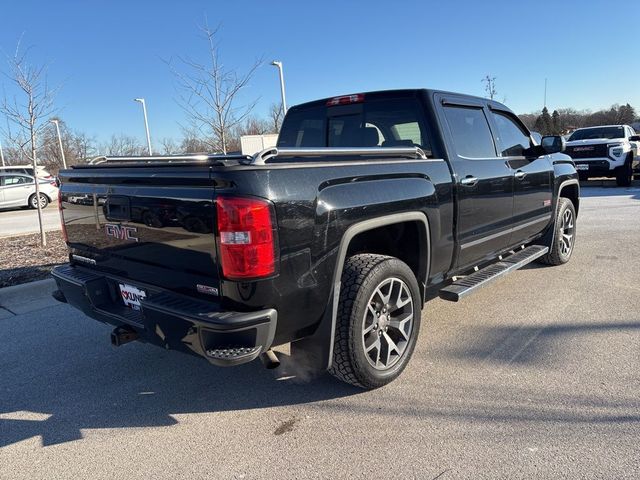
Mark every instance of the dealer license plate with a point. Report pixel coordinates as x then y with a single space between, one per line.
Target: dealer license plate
131 295
582 166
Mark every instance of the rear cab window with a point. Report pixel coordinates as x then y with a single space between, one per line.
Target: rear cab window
375 122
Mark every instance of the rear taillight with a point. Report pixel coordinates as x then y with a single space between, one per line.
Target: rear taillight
64 227
247 237
346 99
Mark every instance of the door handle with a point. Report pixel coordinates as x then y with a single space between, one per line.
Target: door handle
469 181
520 174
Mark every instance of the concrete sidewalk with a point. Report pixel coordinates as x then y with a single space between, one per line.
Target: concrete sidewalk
26 298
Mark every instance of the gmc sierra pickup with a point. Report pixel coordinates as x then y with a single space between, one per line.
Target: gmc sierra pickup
606 151
369 206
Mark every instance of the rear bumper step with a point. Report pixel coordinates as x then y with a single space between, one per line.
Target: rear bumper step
167 319
471 283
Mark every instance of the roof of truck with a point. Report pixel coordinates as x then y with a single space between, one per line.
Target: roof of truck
409 92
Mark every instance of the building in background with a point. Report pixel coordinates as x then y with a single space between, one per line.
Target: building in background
252 144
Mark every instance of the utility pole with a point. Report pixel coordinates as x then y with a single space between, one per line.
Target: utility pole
64 160
146 122
545 93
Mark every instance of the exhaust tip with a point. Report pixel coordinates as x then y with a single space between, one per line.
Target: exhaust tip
122 335
270 359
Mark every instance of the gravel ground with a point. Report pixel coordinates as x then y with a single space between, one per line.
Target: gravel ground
23 260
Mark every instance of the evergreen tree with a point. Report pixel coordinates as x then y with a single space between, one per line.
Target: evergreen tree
544 123
556 127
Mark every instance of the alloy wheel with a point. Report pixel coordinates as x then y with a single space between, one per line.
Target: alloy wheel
388 323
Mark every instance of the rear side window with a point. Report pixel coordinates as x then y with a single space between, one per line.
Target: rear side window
512 139
392 122
470 130
17 180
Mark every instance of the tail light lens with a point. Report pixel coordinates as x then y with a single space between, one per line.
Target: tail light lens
247 237
345 99
64 227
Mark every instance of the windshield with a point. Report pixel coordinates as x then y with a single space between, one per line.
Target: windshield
597 132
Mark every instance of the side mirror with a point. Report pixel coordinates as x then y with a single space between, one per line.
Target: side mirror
553 144
634 138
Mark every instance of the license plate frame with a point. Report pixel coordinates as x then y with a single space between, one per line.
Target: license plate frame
131 295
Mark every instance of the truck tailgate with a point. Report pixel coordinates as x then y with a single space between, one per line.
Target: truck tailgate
154 229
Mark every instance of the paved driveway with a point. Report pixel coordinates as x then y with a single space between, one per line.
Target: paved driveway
537 376
25 221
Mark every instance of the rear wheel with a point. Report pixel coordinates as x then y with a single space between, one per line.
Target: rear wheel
33 203
564 234
624 174
378 320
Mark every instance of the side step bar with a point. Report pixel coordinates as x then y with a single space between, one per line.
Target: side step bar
471 283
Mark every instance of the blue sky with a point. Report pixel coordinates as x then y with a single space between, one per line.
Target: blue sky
106 53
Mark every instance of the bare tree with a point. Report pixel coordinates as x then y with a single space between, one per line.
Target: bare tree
275 116
168 146
208 93
28 112
123 145
490 86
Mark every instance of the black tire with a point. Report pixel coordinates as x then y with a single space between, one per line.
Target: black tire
624 174
44 201
558 254
363 276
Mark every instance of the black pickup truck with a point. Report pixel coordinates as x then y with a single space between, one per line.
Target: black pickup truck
370 205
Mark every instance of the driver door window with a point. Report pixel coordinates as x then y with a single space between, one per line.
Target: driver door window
512 140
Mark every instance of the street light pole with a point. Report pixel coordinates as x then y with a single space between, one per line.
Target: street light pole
146 122
64 160
278 64
2 155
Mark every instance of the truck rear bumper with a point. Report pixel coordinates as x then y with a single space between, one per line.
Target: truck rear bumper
170 320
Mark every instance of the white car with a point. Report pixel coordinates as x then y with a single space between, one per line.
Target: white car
19 190
605 151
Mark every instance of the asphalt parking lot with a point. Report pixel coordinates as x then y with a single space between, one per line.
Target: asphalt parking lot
537 376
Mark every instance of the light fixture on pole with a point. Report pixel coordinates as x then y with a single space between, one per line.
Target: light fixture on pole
57 124
278 64
146 122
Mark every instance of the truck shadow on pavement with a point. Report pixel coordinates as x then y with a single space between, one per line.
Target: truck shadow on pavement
62 383
505 345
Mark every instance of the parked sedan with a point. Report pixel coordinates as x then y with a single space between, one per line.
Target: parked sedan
18 190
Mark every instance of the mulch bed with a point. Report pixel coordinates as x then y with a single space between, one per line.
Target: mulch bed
23 260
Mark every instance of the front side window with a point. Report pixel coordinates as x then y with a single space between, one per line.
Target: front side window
512 139
470 131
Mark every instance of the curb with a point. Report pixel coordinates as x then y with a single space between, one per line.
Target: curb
26 297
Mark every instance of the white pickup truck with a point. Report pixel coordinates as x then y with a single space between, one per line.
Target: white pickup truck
605 151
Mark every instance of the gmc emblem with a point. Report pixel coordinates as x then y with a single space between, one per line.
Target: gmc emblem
121 232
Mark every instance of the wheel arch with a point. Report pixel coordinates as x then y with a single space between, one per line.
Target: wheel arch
372 225
571 189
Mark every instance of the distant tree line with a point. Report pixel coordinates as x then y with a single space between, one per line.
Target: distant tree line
565 120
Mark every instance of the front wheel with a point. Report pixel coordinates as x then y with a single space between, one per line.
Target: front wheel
33 203
564 235
378 320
